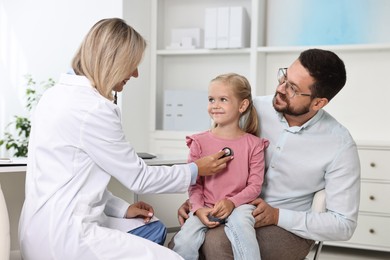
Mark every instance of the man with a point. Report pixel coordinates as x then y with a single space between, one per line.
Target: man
309 151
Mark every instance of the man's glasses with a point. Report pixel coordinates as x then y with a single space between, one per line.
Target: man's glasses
291 90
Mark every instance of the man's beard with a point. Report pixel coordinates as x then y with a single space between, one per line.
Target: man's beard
287 110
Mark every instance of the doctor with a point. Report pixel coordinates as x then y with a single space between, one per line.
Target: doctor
77 144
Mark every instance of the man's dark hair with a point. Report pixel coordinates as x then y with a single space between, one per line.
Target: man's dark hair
327 69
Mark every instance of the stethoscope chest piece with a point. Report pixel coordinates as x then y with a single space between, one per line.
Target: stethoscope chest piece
228 152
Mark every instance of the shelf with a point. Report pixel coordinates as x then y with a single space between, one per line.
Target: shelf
273 49
356 107
350 47
203 52
192 69
373 144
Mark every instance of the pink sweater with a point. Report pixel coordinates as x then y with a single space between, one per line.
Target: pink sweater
241 180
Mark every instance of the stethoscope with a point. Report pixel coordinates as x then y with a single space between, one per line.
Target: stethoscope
116 98
228 152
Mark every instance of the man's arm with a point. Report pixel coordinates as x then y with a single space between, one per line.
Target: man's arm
342 188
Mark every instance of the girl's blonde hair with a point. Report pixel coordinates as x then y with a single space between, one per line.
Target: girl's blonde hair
249 121
108 54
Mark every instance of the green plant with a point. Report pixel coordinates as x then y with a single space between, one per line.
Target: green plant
17 140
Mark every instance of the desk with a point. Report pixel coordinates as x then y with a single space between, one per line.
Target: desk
166 160
15 165
20 165
12 180
12 169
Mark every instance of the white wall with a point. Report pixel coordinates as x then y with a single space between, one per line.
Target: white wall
40 38
327 22
136 95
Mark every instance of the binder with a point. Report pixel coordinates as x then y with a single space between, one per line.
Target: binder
210 28
223 27
239 33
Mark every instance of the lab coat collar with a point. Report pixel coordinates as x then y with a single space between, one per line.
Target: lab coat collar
82 81
74 80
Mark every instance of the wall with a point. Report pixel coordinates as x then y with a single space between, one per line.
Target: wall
136 96
327 22
40 38
361 105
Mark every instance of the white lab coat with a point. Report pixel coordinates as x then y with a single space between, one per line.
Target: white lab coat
76 145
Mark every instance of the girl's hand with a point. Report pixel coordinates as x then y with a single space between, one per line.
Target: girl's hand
182 212
202 214
140 209
222 209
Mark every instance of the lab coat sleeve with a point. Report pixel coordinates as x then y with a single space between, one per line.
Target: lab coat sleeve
115 206
102 137
342 188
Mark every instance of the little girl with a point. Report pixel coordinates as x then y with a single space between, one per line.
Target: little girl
224 198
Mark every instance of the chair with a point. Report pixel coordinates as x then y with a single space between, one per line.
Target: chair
319 205
5 241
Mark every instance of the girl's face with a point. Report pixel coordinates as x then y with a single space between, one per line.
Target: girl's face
224 107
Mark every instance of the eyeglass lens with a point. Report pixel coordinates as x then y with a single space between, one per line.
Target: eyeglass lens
282 79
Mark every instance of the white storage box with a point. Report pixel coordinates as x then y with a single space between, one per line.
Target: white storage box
226 27
186 38
239 34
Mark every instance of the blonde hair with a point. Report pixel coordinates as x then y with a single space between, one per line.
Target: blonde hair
109 53
242 90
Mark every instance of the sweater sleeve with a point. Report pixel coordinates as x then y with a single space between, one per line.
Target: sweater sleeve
256 175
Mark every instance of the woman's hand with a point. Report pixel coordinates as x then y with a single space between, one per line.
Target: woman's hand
140 209
212 164
264 214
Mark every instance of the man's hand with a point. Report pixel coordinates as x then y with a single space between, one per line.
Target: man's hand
140 209
212 164
264 214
